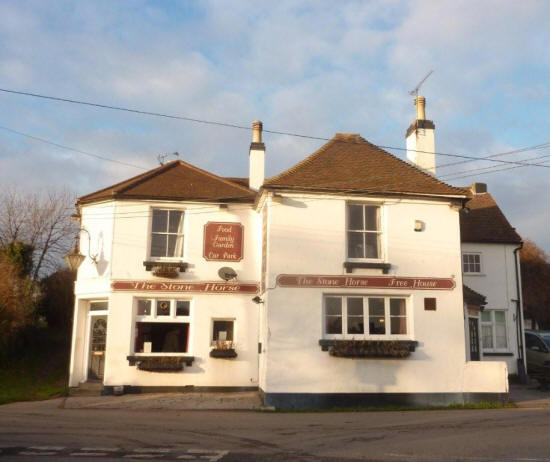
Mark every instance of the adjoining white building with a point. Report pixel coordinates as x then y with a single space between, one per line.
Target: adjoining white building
337 282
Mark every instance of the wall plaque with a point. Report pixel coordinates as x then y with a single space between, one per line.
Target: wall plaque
223 241
359 282
209 287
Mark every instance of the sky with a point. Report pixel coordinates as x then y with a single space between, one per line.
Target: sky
309 67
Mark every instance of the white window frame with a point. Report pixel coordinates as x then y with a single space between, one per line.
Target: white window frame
183 234
379 232
492 324
233 320
366 336
472 273
172 318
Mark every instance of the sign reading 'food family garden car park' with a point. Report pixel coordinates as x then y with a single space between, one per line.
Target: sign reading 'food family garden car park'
223 241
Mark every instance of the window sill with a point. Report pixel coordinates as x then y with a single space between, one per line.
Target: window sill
161 363
351 265
160 266
473 274
368 348
497 353
223 354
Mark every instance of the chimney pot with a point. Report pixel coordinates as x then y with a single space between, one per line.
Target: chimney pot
257 128
420 103
478 188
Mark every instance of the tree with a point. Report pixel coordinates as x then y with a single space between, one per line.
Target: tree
535 280
57 300
42 222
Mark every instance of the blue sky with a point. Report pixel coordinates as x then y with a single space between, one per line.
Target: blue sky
313 67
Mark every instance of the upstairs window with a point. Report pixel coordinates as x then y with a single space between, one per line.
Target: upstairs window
471 263
167 233
363 231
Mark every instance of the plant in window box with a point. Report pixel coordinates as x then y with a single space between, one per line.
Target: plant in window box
166 271
370 349
223 349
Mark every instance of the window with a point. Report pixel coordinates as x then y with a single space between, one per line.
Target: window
167 233
362 317
363 231
162 326
471 263
493 330
222 330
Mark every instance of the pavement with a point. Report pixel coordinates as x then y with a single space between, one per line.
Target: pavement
530 396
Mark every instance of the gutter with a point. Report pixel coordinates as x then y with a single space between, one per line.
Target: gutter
522 368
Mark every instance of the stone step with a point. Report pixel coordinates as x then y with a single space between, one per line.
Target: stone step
86 389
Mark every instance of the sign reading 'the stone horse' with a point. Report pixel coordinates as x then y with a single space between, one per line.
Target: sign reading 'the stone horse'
223 241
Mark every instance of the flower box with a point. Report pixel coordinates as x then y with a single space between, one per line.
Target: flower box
223 353
368 348
160 363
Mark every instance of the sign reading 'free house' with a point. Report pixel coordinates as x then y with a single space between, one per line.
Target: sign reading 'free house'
373 282
223 241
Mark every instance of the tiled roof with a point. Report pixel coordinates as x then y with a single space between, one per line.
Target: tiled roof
348 162
176 180
483 221
472 297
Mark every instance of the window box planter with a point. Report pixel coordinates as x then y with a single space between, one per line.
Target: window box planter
223 353
368 348
160 363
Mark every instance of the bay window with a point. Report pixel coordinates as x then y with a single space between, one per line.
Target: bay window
162 326
363 231
362 317
167 233
493 330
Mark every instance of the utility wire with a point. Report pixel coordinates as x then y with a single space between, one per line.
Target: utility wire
53 143
242 127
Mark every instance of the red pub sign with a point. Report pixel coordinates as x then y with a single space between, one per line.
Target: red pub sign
209 287
359 282
223 241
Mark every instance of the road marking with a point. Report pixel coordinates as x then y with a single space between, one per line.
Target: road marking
100 449
151 450
30 453
47 448
88 454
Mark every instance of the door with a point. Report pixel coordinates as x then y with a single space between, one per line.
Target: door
98 337
474 339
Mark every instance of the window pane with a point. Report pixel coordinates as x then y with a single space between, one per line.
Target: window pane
487 336
376 316
355 306
355 316
223 331
398 325
183 307
355 216
163 308
499 317
500 331
175 222
144 308
372 245
486 316
397 307
333 306
158 245
355 245
160 221
171 252
334 324
96 306
165 337
371 218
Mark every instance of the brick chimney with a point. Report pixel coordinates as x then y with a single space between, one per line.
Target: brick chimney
420 139
256 172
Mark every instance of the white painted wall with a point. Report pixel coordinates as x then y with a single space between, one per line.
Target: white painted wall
497 281
421 149
127 226
307 235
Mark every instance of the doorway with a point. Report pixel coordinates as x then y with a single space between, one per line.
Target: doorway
474 338
98 340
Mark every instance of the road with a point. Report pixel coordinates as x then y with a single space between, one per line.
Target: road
46 431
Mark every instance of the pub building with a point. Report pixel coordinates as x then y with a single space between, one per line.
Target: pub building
337 282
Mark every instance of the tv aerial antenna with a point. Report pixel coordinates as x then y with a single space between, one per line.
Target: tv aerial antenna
415 91
162 157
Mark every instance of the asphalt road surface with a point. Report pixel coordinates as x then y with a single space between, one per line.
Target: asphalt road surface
46 431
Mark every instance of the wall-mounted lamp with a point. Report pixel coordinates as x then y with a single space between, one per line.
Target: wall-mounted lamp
419 225
75 258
